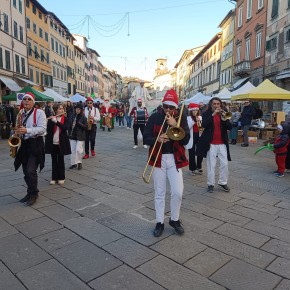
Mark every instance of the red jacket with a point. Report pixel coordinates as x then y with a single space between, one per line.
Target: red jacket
281 144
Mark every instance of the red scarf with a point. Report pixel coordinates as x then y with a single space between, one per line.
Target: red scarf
55 126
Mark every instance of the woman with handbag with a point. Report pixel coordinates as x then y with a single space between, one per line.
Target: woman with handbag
236 115
57 143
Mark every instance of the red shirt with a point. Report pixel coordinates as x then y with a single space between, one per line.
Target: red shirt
217 133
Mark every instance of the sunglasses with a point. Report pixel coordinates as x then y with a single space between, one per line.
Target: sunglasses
89 103
26 99
168 107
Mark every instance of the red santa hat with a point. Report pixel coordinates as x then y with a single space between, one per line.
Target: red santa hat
139 100
193 106
30 96
170 98
89 99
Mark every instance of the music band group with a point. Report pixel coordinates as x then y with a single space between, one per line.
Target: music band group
168 132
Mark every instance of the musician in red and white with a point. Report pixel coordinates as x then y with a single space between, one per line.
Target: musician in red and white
140 117
93 116
106 114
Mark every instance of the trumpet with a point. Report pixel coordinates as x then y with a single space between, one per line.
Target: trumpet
174 133
225 115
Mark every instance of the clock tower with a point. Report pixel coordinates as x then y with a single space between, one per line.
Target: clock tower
161 66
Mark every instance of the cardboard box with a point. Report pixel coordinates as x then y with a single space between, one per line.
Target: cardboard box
253 140
252 134
267 134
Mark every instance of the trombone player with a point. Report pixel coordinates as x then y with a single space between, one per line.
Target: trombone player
170 159
214 143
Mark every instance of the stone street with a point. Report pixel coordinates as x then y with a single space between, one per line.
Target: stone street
95 231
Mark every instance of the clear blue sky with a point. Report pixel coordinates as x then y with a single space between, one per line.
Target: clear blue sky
158 29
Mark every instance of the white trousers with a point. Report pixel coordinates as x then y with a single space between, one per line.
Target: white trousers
220 152
168 169
77 149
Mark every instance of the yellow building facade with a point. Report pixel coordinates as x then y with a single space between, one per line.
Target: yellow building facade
38 50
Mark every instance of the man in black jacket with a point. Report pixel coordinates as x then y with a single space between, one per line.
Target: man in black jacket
214 143
246 119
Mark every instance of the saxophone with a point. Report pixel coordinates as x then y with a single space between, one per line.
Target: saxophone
90 123
14 141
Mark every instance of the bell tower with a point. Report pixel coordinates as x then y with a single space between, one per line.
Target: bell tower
161 66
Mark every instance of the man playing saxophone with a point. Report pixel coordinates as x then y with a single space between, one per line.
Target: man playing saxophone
31 152
93 116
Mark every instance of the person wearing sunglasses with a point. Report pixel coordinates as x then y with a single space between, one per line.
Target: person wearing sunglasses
93 116
169 162
31 128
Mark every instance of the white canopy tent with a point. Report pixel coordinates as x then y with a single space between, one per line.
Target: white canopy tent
224 95
199 97
243 90
56 96
98 100
77 98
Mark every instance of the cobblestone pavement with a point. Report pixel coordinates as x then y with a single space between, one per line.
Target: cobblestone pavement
95 231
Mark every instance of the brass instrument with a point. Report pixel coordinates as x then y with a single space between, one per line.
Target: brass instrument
89 120
14 141
174 133
108 120
177 133
225 115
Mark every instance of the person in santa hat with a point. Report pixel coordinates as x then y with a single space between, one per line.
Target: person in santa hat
140 117
106 114
169 162
194 123
31 128
93 116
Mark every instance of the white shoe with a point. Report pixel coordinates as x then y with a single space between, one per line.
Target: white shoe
61 181
145 146
135 146
52 182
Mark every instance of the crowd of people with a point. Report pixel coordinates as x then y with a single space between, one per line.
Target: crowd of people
204 130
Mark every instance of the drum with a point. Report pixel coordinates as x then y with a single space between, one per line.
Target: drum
141 119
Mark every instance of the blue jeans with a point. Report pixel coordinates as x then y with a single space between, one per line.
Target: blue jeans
129 121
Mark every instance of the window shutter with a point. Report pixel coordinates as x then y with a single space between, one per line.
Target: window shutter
268 45
275 7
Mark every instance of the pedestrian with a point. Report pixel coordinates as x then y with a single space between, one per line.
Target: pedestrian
31 126
235 123
121 114
213 143
93 116
247 115
107 115
169 162
69 109
77 135
140 117
49 109
57 143
194 123
140 92
280 149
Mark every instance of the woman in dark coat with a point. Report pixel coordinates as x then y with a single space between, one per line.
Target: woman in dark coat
57 143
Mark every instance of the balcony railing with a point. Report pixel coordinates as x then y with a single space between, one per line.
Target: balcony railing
242 67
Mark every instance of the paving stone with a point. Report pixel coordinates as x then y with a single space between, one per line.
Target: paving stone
283 204
50 275
225 196
97 211
19 253
173 276
285 213
252 213
281 267
90 192
8 280
130 252
92 231
259 198
239 275
7 199
227 216
145 213
77 203
15 213
259 206
242 235
86 260
199 220
6 229
58 193
124 278
43 202
193 205
278 248
122 204
38 227
12 190
281 223
56 240
133 227
139 189
58 212
207 262
268 230
178 248
209 201
284 285
150 204
236 249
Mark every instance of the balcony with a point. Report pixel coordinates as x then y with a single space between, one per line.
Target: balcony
242 68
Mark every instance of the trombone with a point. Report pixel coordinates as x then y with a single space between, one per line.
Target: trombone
174 133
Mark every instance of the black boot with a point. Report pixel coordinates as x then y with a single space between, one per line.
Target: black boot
109 130
158 230
234 142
